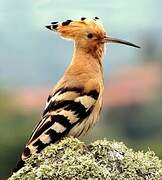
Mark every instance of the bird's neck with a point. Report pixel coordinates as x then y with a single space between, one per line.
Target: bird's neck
84 67
88 58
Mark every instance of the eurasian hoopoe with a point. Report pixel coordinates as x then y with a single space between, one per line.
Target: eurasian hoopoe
75 102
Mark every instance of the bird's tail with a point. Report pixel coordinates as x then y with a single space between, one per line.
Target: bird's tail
19 165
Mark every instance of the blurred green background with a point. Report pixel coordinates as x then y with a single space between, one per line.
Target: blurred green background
32 60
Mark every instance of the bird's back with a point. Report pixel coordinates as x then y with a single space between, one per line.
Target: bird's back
71 109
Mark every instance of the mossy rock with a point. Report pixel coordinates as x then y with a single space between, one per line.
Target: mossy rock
71 159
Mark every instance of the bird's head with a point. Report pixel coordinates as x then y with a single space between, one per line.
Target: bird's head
85 32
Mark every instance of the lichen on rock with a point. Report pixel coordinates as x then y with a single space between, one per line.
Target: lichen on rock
105 160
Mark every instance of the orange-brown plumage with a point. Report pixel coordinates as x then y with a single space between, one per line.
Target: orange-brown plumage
75 102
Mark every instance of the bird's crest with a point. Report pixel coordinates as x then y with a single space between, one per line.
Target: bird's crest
75 29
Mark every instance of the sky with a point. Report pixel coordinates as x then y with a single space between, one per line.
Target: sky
31 55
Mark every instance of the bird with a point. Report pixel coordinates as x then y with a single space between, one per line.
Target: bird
75 102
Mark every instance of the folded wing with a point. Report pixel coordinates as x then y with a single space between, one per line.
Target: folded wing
66 108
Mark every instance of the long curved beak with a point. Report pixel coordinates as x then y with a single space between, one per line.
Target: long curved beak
115 40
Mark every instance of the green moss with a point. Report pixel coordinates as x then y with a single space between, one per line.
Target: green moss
72 159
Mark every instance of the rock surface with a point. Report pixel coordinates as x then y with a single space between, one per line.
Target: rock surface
72 159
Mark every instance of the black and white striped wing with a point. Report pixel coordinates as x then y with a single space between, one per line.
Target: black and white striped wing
65 109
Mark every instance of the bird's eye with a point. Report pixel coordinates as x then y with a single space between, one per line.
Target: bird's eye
90 35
